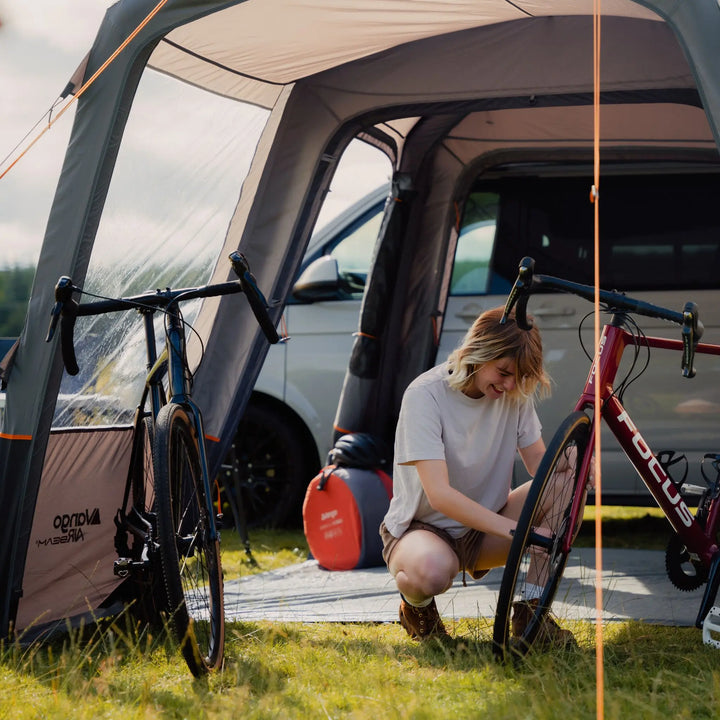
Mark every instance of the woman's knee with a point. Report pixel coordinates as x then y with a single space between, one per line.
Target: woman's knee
416 586
423 565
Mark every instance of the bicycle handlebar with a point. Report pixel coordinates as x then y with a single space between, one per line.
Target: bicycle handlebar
66 310
257 300
528 282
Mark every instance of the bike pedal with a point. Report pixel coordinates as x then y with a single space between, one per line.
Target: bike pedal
711 627
122 567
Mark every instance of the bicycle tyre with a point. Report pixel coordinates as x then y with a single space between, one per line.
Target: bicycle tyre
547 505
143 475
190 559
149 589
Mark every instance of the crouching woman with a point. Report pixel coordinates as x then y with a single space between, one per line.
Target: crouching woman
460 426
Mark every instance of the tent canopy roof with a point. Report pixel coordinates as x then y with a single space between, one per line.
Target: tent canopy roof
283 42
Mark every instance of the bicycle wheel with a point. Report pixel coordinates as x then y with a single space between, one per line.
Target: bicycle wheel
142 473
532 559
190 558
148 588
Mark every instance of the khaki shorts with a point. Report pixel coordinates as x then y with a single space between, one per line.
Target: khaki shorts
467 547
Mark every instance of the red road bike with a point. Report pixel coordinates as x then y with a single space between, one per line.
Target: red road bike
558 493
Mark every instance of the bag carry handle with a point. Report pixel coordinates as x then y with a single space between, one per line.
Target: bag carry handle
327 472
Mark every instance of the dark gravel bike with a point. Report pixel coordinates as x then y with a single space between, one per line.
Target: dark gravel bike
167 532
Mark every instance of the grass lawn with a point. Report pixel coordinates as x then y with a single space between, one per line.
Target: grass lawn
363 670
626 527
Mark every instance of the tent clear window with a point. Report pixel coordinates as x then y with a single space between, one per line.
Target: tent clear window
184 156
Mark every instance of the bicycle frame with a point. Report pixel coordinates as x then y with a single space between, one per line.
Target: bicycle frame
694 537
172 362
613 342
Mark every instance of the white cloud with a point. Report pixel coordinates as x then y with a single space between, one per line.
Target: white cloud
67 26
41 44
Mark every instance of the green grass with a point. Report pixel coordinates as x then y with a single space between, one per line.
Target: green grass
269 549
626 527
363 670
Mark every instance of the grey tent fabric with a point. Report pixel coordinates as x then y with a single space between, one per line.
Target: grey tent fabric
443 87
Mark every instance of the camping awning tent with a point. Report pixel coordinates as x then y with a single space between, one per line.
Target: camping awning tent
442 87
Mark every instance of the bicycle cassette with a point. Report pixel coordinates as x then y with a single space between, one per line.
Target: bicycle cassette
685 571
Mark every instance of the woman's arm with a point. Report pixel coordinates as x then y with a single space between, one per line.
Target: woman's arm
451 502
532 455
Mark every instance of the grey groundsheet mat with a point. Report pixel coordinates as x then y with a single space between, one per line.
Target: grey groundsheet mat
634 586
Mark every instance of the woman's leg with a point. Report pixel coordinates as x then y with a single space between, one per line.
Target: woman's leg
423 566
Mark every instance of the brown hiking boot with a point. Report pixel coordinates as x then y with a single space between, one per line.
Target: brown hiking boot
549 635
421 622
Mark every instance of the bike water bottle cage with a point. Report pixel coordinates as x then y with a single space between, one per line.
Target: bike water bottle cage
713 484
669 458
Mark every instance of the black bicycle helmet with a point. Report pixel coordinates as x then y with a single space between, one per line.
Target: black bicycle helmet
358 450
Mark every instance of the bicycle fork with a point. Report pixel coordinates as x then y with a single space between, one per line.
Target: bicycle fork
180 393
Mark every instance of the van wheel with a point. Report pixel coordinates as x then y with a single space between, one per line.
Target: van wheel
269 467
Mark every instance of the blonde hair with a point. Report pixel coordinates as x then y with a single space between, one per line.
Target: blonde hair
488 340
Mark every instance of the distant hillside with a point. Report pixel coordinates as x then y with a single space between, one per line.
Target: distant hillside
15 285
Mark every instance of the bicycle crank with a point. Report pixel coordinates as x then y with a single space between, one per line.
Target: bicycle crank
684 569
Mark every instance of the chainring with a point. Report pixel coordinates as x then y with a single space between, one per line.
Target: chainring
686 572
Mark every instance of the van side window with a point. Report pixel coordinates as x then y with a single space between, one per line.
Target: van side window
471 269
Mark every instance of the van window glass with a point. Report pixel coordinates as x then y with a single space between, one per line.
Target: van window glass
657 232
471 268
354 252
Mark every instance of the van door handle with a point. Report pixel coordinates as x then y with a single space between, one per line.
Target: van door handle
553 312
470 312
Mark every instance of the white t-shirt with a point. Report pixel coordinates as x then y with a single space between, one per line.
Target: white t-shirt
477 438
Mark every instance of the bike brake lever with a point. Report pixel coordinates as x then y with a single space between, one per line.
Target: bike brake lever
63 294
692 331
65 310
254 295
519 294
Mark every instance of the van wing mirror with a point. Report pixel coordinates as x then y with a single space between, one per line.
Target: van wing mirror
319 281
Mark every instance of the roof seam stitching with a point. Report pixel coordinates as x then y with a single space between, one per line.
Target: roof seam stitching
517 7
220 65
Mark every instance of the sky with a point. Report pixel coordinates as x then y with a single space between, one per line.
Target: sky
42 42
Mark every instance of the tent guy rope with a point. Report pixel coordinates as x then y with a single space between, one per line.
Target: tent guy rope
595 198
74 97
